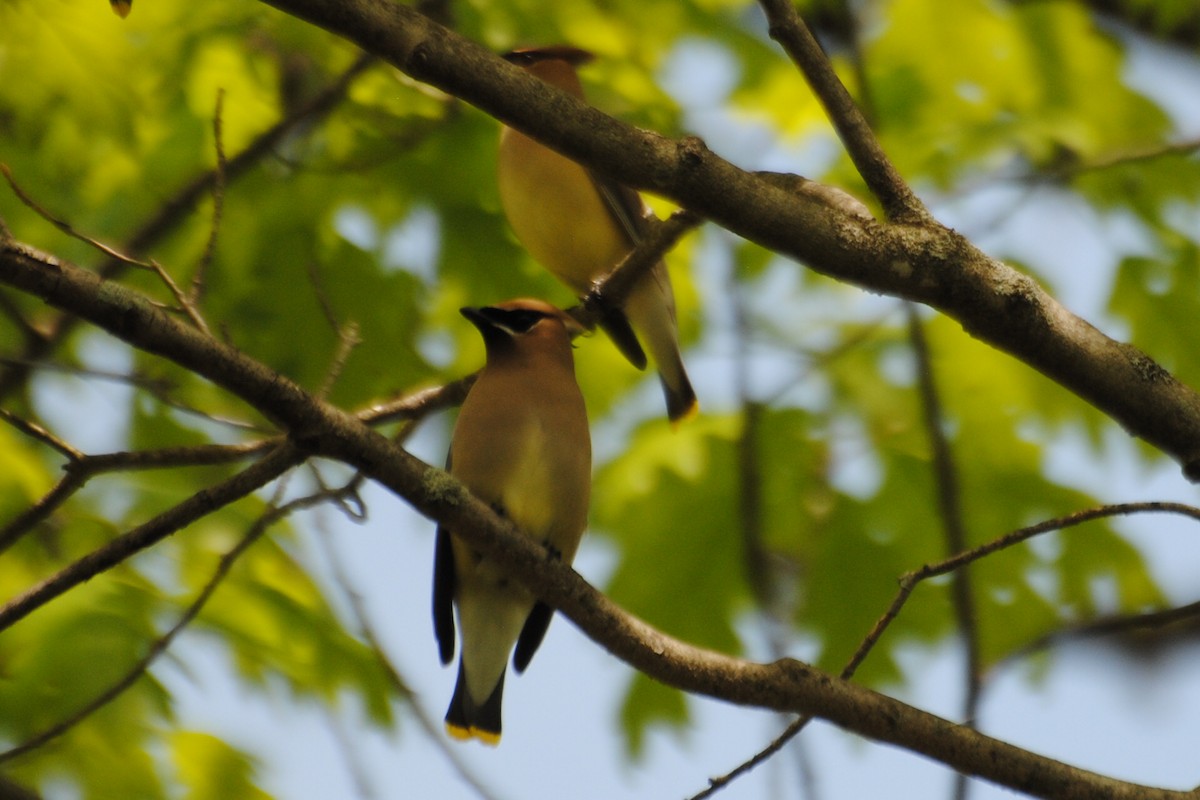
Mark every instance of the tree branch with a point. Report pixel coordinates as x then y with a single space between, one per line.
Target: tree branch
317 428
176 209
80 468
199 505
1145 630
926 263
610 290
1173 22
788 29
949 504
160 645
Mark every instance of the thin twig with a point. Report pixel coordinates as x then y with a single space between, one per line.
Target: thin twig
185 302
218 200
363 621
24 522
949 503
177 209
1146 624
199 505
35 431
910 580
314 280
612 289
348 339
789 30
70 230
65 226
416 405
81 469
159 388
160 645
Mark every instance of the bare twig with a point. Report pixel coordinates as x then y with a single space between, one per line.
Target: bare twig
218 200
160 645
897 199
363 621
1146 626
35 431
24 522
314 279
65 226
199 505
348 339
177 208
417 405
612 289
159 388
70 230
81 468
910 580
949 503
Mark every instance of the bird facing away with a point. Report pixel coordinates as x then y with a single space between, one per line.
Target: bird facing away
579 225
521 443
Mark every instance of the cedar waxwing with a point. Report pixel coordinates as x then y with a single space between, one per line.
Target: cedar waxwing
521 443
579 225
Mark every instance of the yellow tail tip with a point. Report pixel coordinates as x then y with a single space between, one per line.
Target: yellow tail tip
688 413
458 732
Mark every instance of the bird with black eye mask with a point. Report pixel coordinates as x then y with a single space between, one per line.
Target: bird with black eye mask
521 444
580 224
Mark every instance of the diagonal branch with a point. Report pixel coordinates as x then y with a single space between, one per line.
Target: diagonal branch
927 263
152 532
160 645
882 178
177 209
317 428
80 468
611 290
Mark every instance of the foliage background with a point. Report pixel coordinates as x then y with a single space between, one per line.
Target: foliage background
1025 125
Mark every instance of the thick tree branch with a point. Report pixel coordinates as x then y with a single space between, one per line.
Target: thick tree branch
927 263
320 429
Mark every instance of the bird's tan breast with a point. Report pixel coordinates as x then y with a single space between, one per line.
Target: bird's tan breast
556 212
532 458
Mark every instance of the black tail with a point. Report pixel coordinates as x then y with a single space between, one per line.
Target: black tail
466 720
681 400
616 325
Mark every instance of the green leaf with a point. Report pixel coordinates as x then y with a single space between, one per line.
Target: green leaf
213 770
